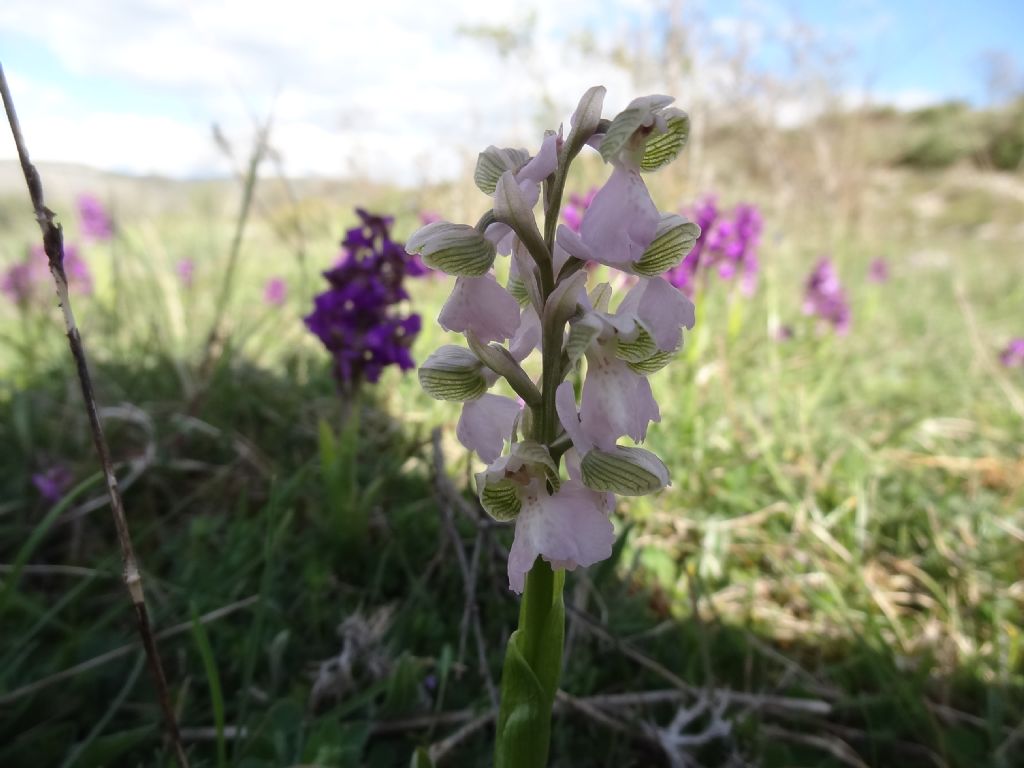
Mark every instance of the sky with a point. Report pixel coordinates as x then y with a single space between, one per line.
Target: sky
400 90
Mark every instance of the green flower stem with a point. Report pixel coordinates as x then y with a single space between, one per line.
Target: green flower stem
551 377
535 612
529 680
533 657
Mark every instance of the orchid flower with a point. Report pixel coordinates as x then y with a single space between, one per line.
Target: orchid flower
561 523
568 527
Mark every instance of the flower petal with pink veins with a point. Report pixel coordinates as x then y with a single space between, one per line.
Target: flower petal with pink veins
565 405
480 305
616 401
527 335
571 243
543 164
665 311
568 529
486 423
622 220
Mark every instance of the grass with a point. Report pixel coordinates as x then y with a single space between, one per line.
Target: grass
845 525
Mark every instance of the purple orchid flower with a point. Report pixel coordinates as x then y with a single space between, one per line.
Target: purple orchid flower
1012 355
95 220
53 482
357 318
275 292
878 271
824 297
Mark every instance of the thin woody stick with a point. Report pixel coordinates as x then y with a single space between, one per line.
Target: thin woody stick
53 244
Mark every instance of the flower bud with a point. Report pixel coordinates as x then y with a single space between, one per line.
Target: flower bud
641 113
562 303
673 240
499 360
493 162
452 373
663 148
625 471
457 249
586 118
512 208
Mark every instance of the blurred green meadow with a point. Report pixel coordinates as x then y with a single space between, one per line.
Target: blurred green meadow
835 573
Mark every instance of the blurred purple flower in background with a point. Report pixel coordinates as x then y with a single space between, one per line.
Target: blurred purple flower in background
728 243
17 282
25 281
573 210
429 217
75 268
186 269
96 222
1013 355
824 296
356 317
53 483
275 291
878 272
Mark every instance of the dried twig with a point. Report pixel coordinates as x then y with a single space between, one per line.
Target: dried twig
587 707
42 569
259 151
780 704
598 708
471 614
53 245
835 746
439 750
136 466
677 743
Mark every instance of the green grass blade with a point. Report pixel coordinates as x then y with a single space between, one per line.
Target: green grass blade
213 680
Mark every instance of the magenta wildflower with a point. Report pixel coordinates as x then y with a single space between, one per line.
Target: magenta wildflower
1013 354
95 220
30 279
275 291
878 271
18 282
76 269
824 297
429 217
53 482
728 243
186 269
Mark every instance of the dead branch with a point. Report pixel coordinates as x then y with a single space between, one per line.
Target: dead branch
53 245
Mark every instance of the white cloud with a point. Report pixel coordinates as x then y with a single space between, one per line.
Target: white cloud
388 86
